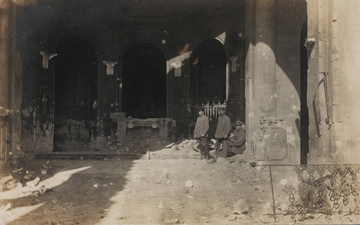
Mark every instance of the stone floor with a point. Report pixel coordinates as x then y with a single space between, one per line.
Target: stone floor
158 191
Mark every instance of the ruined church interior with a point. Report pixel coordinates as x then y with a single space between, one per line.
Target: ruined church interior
99 101
91 75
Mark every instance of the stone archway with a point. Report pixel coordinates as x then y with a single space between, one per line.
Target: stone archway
208 73
75 91
144 84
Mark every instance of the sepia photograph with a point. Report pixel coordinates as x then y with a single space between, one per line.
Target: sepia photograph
132 112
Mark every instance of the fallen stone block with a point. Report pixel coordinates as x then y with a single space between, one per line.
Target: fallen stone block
33 183
27 177
4 180
34 191
43 171
13 184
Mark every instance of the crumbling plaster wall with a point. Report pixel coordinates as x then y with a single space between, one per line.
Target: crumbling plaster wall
10 85
273 79
111 32
333 81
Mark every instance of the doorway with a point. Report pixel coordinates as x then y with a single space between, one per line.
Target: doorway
75 93
144 82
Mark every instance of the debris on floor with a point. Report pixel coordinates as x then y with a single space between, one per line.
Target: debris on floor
22 182
189 184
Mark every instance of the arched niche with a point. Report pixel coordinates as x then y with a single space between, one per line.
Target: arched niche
208 72
75 91
144 83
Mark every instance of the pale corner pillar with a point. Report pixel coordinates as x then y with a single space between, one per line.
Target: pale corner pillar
334 82
260 69
345 79
4 80
4 77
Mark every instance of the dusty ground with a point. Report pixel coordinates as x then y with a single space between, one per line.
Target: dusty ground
153 191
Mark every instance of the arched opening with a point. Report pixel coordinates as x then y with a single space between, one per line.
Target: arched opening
208 73
144 82
304 114
75 91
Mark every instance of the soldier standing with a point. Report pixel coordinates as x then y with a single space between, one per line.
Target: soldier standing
201 133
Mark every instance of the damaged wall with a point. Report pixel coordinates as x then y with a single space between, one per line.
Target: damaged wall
333 81
10 85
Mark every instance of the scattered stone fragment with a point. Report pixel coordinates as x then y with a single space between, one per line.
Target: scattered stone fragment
240 206
13 184
39 190
43 171
170 145
259 189
232 217
33 183
2 211
27 177
5 207
17 171
172 221
189 184
30 171
3 180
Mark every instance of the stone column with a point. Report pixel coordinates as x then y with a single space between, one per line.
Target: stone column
4 78
260 73
264 81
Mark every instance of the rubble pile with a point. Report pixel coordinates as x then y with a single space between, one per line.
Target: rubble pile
185 149
137 145
238 168
24 182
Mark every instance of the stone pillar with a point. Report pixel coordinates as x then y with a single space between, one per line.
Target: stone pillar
260 74
264 81
4 78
